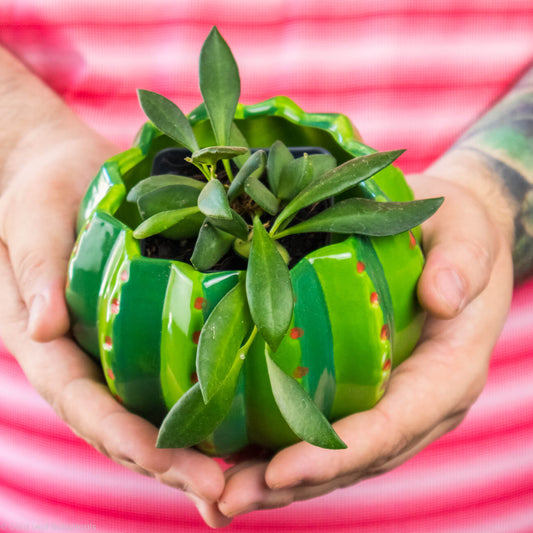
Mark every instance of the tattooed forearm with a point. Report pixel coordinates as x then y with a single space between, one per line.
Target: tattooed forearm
503 138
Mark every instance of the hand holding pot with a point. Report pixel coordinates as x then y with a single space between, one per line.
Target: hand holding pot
48 156
466 288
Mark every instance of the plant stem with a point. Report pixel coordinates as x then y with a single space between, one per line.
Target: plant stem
243 350
227 168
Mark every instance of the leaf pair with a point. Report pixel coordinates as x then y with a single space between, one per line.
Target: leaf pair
219 360
168 205
335 182
203 407
368 217
287 175
220 87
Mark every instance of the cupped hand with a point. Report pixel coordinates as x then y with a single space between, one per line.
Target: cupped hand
466 288
40 195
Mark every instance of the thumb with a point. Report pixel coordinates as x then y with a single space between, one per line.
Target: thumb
460 243
39 236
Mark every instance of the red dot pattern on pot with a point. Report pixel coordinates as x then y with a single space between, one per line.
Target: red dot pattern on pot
374 299
108 343
296 333
300 372
385 332
194 377
412 240
200 303
115 306
110 373
125 275
360 267
196 337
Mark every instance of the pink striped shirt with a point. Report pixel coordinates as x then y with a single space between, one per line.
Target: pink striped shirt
410 75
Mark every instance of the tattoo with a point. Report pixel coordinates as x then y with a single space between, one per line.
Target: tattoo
503 137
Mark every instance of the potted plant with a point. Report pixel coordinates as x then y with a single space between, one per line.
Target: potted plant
238 291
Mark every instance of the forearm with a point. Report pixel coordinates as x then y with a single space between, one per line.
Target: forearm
495 158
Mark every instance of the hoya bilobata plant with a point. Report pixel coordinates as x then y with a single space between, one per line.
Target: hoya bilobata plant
245 202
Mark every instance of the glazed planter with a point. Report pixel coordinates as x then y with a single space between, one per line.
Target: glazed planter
355 318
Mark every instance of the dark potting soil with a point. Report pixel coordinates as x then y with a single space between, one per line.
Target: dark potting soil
298 246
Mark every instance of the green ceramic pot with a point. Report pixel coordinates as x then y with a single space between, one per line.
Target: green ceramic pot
355 317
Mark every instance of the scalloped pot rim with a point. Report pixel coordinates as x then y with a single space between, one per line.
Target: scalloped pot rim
141 316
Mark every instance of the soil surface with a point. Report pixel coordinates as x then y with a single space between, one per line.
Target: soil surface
298 246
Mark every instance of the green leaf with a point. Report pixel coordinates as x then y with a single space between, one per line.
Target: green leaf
219 84
212 154
153 183
180 223
268 287
337 181
168 117
242 247
254 167
299 410
191 421
261 195
167 198
368 217
322 163
278 156
211 245
213 201
294 177
221 337
238 139
236 226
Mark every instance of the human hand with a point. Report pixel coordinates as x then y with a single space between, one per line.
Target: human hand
466 288
43 185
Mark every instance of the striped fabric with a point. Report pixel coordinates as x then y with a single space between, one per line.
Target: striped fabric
410 75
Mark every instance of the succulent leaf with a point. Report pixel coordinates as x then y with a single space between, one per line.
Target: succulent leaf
167 198
221 338
181 223
261 195
168 117
253 167
213 201
299 410
211 245
212 154
294 177
236 226
278 156
268 287
219 84
322 163
368 217
191 420
153 183
337 181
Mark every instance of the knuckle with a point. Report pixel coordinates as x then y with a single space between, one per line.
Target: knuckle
480 255
27 268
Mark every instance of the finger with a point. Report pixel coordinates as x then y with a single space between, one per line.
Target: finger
246 488
37 221
437 383
460 246
209 512
73 384
40 237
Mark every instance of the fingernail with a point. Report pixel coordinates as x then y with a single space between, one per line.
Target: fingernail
37 309
451 289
